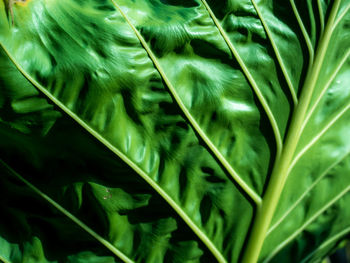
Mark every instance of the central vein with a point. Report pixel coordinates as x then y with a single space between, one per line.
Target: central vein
280 171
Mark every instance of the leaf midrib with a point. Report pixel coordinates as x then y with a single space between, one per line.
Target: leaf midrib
334 23
326 86
333 120
281 166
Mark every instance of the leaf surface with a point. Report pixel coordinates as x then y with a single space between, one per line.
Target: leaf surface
190 131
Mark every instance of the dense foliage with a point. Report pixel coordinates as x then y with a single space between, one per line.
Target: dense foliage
174 130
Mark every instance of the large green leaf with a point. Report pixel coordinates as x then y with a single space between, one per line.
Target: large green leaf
174 131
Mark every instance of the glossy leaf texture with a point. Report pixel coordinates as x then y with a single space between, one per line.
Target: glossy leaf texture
168 130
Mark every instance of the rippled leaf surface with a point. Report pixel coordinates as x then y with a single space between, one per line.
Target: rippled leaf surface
174 131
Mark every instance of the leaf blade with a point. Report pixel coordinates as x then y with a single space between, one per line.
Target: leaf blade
134 166
211 177
108 245
253 83
250 192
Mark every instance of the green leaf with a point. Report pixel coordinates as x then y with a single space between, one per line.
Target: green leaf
174 131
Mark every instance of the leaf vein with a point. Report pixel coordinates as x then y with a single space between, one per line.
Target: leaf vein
306 224
279 172
337 21
278 55
3 260
318 136
251 80
272 228
326 243
329 82
251 193
305 34
202 236
99 238
320 12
